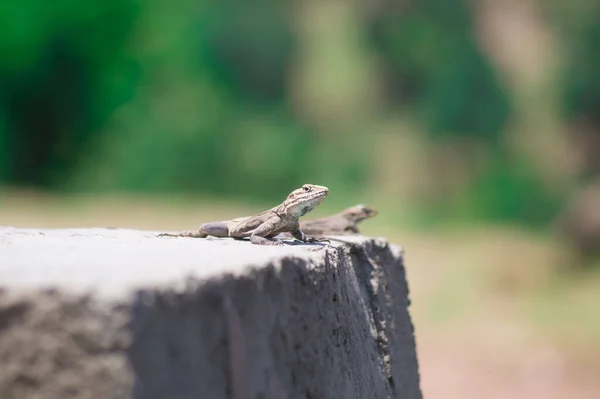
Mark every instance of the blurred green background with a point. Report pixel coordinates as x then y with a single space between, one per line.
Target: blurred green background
473 126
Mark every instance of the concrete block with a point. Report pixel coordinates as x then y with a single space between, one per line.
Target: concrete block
112 313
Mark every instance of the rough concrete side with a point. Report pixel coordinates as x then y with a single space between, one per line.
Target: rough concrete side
327 324
53 345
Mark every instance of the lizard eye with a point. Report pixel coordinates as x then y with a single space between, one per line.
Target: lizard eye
306 188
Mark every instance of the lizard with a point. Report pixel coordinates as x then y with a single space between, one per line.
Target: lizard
263 227
341 223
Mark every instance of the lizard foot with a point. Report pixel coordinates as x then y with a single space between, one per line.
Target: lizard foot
318 239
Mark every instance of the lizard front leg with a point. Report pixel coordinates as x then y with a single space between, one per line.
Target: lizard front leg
353 229
299 235
259 236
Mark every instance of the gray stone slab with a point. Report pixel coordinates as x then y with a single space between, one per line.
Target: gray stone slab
116 313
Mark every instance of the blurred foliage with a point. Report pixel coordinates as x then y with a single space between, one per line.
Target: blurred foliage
434 64
580 85
199 97
511 190
64 71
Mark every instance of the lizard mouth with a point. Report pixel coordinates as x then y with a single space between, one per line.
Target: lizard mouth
312 204
306 200
317 199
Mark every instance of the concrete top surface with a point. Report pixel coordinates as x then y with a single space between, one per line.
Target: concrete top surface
119 261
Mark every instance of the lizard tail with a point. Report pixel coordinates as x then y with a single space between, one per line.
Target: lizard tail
192 233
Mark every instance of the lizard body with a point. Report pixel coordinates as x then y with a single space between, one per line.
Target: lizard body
261 228
340 223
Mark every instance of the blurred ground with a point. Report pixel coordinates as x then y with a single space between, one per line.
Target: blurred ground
494 316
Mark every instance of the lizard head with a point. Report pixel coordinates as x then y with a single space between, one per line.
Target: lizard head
304 199
359 212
